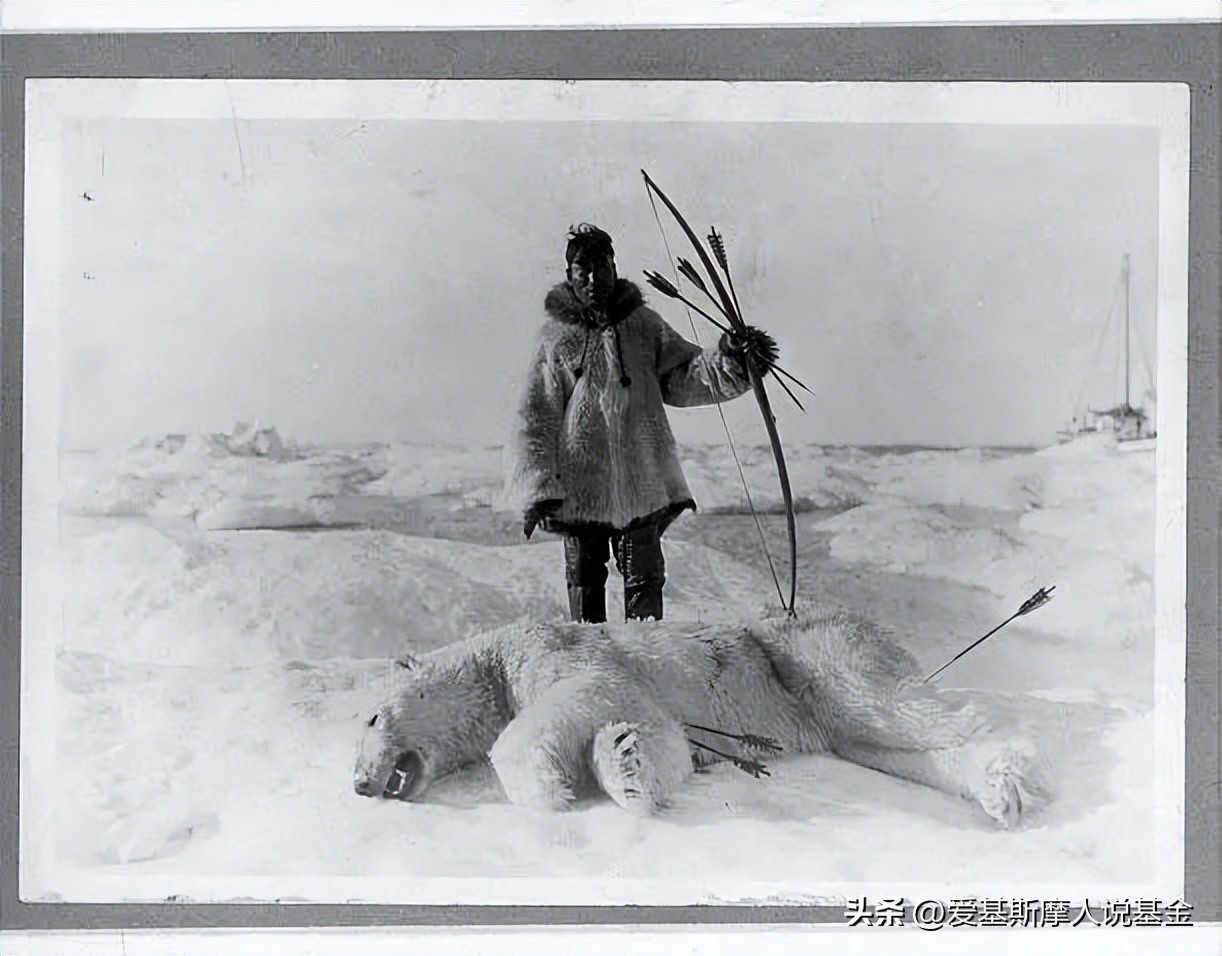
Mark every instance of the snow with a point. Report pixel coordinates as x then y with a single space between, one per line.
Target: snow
1079 516
230 607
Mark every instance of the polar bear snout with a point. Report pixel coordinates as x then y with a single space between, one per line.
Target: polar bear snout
405 777
401 781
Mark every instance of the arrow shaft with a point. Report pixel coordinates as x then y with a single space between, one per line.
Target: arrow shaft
775 369
970 646
699 311
727 303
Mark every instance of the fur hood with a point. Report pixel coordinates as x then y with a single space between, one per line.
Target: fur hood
563 305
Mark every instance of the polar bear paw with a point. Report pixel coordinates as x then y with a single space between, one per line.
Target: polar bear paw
637 766
622 770
1011 786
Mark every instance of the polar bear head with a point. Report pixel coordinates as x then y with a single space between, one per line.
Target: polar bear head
441 718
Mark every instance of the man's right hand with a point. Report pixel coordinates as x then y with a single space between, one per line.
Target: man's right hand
537 512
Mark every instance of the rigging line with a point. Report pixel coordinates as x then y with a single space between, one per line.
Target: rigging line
720 411
1148 366
1120 368
1143 350
1104 329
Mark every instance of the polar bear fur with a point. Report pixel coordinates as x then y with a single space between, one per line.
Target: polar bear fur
565 710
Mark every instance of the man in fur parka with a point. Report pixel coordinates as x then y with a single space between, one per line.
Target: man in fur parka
592 457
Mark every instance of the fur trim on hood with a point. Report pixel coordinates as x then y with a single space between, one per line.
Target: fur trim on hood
563 305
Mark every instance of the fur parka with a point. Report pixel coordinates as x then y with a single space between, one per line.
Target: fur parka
591 429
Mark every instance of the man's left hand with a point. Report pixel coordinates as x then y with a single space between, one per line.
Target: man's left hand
753 346
538 513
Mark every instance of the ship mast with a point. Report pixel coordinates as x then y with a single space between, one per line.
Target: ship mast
1127 404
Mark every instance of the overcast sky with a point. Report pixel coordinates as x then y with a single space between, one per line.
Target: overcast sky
382 280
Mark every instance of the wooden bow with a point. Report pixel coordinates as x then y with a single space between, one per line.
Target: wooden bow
727 303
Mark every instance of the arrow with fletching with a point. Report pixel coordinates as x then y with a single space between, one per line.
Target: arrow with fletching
1037 600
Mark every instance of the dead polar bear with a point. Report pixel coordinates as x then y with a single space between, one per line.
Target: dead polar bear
565 709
